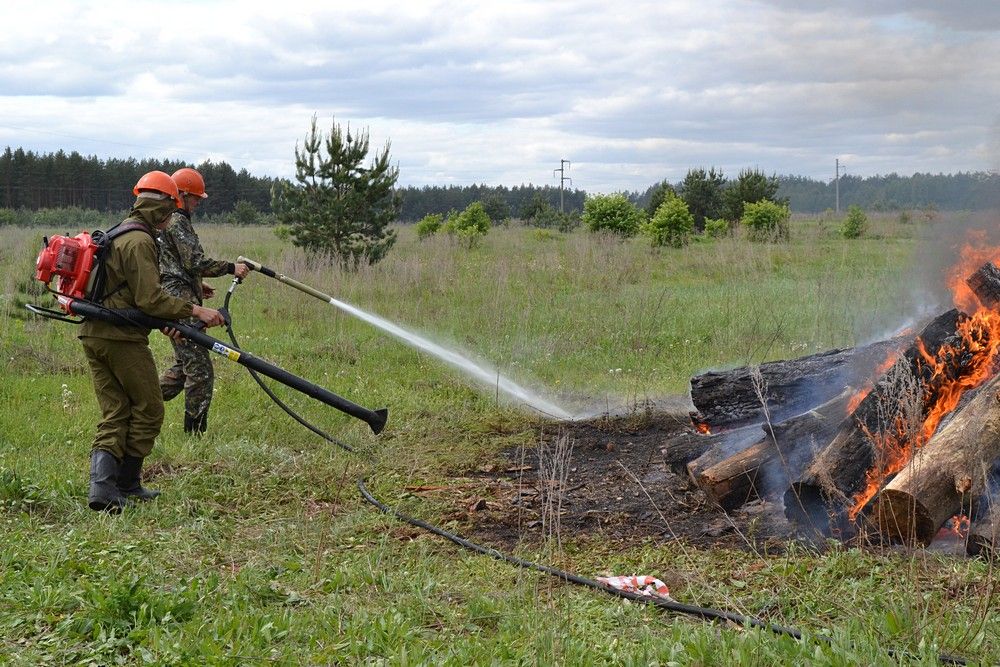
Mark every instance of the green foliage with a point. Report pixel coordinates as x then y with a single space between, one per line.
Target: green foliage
282 232
7 217
717 228
496 208
855 224
702 192
470 225
338 207
659 194
672 224
245 213
766 221
535 206
429 226
612 213
750 186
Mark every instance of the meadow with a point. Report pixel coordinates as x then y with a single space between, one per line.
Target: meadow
260 550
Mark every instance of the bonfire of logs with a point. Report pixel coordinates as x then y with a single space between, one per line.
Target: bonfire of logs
893 439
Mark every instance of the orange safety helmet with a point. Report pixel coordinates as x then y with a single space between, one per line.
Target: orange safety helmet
159 181
190 182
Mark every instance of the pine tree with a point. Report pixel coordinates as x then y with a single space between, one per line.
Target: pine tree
338 207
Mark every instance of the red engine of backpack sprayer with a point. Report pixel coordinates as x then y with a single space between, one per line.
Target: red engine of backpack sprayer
70 261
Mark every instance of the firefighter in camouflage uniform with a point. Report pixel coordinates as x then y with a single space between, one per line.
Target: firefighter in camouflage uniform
182 266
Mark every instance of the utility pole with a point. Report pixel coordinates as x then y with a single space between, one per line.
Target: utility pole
563 165
836 182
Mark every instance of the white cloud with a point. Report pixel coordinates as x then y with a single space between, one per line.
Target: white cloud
499 93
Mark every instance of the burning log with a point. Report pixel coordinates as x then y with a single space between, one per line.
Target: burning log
782 454
840 480
986 284
728 398
952 466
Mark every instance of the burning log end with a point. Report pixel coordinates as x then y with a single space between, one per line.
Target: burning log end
902 518
986 284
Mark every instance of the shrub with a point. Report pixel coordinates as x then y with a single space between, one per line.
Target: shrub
855 224
766 221
672 224
612 213
429 225
470 225
245 213
716 228
283 232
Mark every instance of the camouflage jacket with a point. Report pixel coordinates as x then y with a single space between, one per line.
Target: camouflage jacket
133 278
182 260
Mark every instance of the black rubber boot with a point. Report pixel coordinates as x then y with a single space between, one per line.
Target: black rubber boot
195 425
129 482
104 495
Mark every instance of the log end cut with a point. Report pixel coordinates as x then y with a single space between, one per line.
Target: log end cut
902 518
983 542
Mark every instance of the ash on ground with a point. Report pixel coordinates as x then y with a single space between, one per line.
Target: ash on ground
606 478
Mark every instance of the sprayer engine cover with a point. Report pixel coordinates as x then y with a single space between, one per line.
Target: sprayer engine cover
68 260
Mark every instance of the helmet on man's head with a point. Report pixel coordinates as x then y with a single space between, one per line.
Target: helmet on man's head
190 182
159 181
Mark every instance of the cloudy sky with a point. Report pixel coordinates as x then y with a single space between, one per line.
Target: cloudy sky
631 93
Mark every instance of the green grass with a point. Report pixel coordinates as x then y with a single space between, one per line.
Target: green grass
261 552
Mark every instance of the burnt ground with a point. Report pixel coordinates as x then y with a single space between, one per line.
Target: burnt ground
612 484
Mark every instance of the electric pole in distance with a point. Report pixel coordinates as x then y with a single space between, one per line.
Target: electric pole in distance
836 182
563 166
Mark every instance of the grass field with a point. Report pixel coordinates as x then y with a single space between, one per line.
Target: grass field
261 552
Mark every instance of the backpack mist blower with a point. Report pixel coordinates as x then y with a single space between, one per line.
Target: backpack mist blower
76 266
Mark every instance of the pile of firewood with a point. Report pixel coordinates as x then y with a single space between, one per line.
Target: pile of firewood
897 438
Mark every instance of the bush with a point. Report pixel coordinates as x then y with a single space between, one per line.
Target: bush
855 224
715 229
429 225
283 232
470 225
672 224
245 213
551 218
612 213
766 221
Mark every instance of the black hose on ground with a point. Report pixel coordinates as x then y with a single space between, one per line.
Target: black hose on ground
705 613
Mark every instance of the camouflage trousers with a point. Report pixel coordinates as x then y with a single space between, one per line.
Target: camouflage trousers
191 373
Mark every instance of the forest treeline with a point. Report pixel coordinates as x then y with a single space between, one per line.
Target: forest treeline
30 180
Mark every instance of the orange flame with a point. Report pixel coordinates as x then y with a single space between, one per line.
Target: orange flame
948 374
702 428
886 364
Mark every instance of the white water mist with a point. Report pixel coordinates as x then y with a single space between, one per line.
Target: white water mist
489 376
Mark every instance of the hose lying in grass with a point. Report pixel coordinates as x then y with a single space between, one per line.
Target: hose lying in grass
705 613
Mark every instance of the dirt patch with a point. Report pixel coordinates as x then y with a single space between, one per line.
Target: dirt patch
607 478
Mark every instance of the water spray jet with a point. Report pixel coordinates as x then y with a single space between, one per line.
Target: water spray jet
485 375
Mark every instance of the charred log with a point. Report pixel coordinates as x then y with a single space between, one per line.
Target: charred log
829 493
950 468
984 538
728 398
986 284
766 466
679 450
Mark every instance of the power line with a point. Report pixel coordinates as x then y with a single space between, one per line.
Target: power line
563 165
